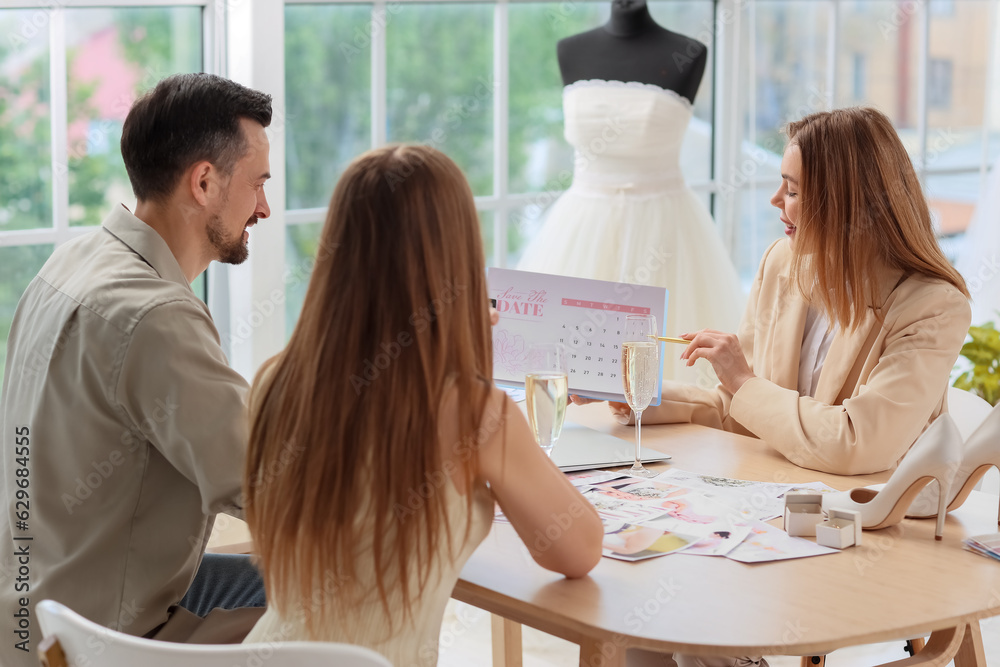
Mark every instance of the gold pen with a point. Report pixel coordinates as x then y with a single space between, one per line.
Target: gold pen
671 340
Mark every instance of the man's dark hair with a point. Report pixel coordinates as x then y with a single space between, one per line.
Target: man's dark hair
185 119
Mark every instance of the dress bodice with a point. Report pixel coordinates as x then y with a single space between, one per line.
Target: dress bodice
627 135
629 217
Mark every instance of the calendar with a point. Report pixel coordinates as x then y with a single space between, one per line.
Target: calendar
587 316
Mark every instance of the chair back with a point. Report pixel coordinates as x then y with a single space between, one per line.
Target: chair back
967 409
86 643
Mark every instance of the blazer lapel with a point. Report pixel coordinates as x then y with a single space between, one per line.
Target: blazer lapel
844 351
848 347
786 345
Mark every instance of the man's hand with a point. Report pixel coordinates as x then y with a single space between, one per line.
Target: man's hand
494 316
723 351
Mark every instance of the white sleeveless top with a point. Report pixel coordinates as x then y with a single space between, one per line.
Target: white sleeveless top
413 642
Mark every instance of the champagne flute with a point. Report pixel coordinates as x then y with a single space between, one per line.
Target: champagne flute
640 370
546 386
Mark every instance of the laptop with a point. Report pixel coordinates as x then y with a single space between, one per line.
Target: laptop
580 447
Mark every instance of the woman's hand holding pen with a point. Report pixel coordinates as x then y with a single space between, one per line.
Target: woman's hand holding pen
724 352
721 349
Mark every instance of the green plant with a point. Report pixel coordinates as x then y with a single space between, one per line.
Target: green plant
983 379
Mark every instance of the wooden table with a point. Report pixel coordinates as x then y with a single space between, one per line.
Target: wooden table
899 583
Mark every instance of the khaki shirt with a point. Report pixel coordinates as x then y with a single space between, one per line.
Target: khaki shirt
123 433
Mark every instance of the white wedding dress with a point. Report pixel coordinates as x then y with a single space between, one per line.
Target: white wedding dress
630 217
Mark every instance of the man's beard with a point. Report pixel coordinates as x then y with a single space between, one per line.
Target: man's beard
229 252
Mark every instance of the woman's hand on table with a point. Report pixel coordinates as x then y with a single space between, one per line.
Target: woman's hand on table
724 352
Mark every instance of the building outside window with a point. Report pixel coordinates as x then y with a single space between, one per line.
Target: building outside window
939 82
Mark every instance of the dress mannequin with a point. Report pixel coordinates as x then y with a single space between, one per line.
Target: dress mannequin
629 216
633 47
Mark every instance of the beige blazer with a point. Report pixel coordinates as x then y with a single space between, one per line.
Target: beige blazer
879 387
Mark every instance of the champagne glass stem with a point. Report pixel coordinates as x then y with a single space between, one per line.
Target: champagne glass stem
638 439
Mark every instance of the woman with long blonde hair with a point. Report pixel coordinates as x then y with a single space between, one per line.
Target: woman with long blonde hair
378 441
854 321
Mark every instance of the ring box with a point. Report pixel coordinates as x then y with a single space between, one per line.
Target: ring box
802 512
841 529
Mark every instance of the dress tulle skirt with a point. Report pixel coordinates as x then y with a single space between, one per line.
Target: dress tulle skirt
665 238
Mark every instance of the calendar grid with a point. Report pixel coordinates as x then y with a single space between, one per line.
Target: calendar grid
587 316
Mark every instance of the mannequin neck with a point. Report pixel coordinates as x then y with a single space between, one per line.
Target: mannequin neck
629 18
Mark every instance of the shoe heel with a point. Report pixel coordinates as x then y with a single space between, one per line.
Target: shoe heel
934 456
943 490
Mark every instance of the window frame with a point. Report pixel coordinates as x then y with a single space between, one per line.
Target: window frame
236 293
734 21
54 17
502 201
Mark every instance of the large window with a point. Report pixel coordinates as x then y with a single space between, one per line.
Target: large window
480 81
112 55
68 76
961 138
931 66
492 81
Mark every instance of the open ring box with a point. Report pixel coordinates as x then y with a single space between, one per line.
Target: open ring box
841 529
802 512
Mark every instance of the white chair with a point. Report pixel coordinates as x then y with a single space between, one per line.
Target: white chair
70 640
969 411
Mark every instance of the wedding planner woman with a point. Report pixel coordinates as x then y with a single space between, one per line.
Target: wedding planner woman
378 441
854 321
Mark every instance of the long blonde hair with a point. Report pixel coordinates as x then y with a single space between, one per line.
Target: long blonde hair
862 213
396 311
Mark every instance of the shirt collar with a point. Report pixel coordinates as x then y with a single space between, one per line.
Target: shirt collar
146 242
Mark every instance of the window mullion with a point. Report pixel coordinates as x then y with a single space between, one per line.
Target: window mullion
213 37
256 287
27 237
833 37
923 24
379 77
751 88
728 117
501 92
751 130
48 6
58 110
213 61
991 74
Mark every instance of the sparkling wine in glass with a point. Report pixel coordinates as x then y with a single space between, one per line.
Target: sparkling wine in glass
546 388
640 372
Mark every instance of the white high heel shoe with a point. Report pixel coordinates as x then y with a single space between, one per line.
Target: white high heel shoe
980 452
936 455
